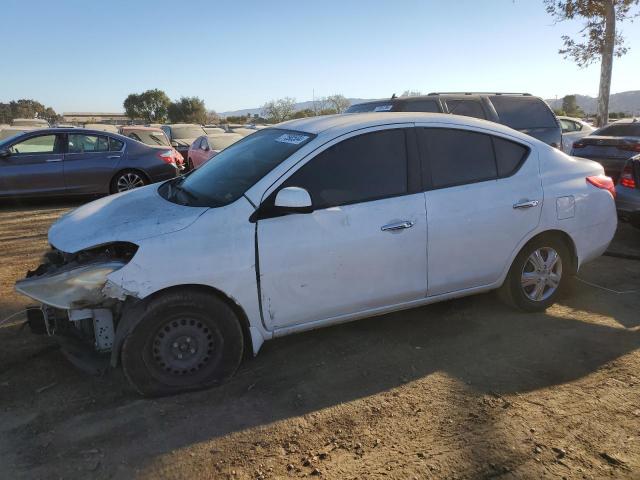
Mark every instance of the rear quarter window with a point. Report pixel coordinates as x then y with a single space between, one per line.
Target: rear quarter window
523 112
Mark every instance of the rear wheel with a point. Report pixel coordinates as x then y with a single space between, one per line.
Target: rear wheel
184 341
538 275
128 180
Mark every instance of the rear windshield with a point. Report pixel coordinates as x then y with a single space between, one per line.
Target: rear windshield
191 131
523 112
383 106
149 137
620 130
236 169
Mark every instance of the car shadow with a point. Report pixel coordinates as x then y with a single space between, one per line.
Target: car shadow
487 347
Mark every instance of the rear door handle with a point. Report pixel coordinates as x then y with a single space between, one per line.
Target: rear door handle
113 156
526 204
51 160
393 227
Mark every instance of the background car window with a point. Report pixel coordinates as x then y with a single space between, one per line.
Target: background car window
362 168
509 156
204 144
382 106
523 112
620 130
456 157
115 145
421 106
468 108
79 143
40 144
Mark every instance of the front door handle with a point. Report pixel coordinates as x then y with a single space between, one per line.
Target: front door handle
526 204
51 160
393 227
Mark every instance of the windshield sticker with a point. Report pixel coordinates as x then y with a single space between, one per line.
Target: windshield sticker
383 108
292 138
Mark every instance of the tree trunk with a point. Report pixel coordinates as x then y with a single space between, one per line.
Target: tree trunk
606 65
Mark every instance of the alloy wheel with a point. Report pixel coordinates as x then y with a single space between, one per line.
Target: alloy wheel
128 181
541 274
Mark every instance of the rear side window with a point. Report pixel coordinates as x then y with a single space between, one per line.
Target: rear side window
115 145
468 108
87 143
421 106
523 112
620 130
455 157
363 168
509 156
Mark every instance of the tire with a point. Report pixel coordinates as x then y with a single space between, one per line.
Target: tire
184 341
128 180
535 280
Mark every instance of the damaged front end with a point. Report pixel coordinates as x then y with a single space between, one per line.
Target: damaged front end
76 303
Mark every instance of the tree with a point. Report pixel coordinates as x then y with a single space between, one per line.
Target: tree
26 108
212 117
307 112
599 40
570 106
338 103
277 111
151 106
188 110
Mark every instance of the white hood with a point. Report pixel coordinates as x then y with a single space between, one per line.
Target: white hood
127 217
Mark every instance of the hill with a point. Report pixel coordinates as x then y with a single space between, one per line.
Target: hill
627 102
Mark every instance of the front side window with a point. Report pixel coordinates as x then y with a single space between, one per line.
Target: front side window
467 108
33 145
363 168
236 169
453 157
79 143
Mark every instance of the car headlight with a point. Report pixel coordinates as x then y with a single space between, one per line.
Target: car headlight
76 287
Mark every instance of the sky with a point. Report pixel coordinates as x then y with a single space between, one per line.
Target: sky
88 55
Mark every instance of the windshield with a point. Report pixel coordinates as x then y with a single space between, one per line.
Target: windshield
236 169
190 131
620 130
150 137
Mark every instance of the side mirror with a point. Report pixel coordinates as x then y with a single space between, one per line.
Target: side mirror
5 152
174 143
294 200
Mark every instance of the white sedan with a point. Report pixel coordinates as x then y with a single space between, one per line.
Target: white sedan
315 222
573 129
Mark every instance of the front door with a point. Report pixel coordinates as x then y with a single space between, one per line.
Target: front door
363 246
483 196
33 167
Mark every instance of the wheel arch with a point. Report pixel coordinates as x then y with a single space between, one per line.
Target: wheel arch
133 308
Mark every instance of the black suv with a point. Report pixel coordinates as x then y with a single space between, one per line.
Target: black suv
520 111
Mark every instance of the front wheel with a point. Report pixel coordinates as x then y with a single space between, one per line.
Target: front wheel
184 341
538 275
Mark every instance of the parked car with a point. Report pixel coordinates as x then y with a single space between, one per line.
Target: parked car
182 135
206 147
611 146
8 132
103 127
573 129
29 122
314 222
520 111
154 137
628 192
56 161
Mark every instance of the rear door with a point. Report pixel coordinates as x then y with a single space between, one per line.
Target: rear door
483 196
91 162
33 167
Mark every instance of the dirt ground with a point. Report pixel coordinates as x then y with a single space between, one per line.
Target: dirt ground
462 389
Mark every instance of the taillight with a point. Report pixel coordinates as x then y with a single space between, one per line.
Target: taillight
579 144
626 179
604 182
167 157
630 147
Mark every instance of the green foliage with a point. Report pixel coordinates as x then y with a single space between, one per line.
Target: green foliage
151 106
559 112
188 110
570 106
25 108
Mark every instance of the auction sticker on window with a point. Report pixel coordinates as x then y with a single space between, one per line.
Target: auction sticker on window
383 108
292 138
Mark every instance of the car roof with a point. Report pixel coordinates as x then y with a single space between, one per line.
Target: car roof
141 127
354 121
75 130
